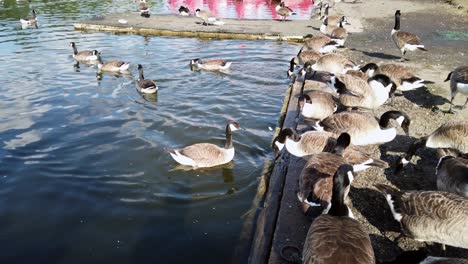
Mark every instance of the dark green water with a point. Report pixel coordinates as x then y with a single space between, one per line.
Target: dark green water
83 174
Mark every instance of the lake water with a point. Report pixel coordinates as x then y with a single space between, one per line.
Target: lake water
83 174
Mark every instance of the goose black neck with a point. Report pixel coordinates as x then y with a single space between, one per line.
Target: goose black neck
292 64
419 143
326 10
75 51
385 118
228 144
397 22
141 74
338 207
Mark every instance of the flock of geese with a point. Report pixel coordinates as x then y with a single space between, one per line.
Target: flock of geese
335 99
334 88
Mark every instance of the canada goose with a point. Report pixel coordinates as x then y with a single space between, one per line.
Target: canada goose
211 65
317 104
432 216
145 85
421 257
326 28
315 80
452 175
333 20
316 178
204 155
208 18
404 40
315 142
355 92
184 11
453 134
358 74
334 63
284 11
364 128
30 20
322 43
401 75
85 55
339 34
144 8
113 66
304 56
336 237
458 83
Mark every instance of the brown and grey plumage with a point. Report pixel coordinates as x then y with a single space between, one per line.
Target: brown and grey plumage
284 11
304 56
453 135
401 75
452 175
143 8
357 93
334 63
421 257
113 66
315 142
364 128
431 216
458 84
333 20
317 104
336 237
145 85
208 18
404 40
202 155
322 44
84 55
339 34
211 65
316 178
327 28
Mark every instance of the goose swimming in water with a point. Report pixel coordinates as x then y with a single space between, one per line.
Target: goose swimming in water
145 85
211 65
204 155
84 55
30 20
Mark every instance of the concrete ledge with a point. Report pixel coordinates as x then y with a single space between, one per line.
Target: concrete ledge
172 25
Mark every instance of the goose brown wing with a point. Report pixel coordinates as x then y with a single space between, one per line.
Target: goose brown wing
347 122
146 83
85 53
452 134
395 72
203 153
220 62
461 74
434 204
333 239
115 63
409 38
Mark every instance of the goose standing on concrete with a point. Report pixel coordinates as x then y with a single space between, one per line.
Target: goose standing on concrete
204 155
84 55
404 40
452 175
336 237
144 8
401 75
431 216
30 20
334 63
364 128
316 178
322 44
145 85
326 28
458 84
339 34
208 18
301 58
452 135
284 11
184 11
315 142
211 65
333 20
357 93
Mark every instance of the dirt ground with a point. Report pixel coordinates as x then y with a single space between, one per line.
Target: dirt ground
443 29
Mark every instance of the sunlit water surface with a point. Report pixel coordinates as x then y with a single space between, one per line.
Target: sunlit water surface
83 174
